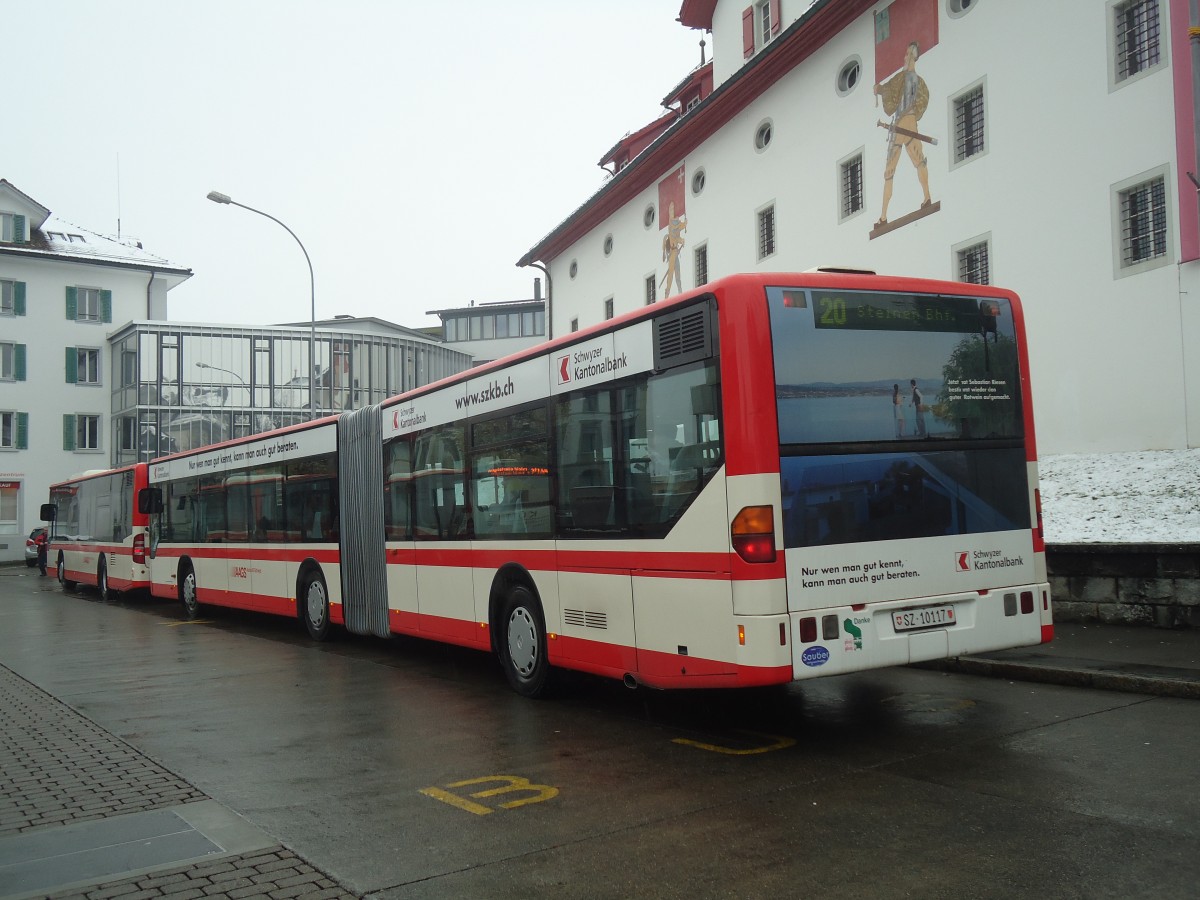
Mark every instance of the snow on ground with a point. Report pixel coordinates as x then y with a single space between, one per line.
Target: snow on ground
1121 498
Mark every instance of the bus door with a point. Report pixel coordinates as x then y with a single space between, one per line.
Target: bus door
446 603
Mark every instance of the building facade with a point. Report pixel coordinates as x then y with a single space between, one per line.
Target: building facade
181 386
61 289
490 331
1040 146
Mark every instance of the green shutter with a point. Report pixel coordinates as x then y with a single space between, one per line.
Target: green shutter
19 229
68 432
106 306
18 362
19 298
22 431
71 304
72 366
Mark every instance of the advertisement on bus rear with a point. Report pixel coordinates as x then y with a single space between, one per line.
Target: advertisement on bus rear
903 465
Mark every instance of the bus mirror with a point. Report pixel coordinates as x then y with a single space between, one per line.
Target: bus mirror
49 512
150 500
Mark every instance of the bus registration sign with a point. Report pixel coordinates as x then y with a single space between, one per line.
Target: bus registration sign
928 617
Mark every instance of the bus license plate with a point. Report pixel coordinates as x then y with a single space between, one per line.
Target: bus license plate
929 617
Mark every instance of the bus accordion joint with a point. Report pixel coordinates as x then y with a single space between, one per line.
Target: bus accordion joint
753 534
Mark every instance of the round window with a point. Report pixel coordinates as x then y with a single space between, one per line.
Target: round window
849 75
648 216
574 270
698 181
762 137
608 244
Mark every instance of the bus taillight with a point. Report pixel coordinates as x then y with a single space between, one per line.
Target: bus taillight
139 549
1037 504
753 534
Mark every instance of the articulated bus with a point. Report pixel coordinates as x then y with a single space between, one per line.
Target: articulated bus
772 478
97 534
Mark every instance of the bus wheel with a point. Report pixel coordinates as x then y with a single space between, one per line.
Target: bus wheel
106 595
523 644
187 592
314 605
62 574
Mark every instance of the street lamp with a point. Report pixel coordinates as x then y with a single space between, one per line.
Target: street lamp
204 365
218 197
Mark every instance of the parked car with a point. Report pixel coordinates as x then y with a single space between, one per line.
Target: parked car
31 546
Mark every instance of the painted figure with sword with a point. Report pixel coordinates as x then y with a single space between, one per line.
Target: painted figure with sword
905 98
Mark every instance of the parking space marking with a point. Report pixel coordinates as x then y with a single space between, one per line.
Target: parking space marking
510 783
776 743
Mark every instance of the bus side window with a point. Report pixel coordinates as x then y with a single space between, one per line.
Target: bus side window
397 489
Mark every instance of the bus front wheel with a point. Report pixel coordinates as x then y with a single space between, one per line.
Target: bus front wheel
314 605
62 574
523 644
187 592
106 595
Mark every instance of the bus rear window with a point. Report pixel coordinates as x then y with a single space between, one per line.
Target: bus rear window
857 366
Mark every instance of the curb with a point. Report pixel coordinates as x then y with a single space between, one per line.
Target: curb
1146 680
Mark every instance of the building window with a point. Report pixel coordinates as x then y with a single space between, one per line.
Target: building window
958 8
14 431
12 298
766 232
763 135
698 180
692 103
648 216
651 288
127 429
12 228
700 258
848 75
608 245
1143 215
87 365
12 362
969 124
574 269
1136 37
574 324
10 504
765 24
87 432
972 263
850 171
608 308
87 304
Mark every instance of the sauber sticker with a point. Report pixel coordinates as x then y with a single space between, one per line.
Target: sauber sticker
815 656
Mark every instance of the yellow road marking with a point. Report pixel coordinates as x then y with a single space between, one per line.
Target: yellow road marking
777 743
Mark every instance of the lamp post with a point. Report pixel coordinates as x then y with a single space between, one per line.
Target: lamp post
218 197
204 365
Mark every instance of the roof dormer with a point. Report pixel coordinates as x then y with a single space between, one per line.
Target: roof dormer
20 215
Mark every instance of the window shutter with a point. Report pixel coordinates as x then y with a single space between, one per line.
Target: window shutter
19 298
748 32
106 306
18 362
72 366
68 431
776 18
19 229
71 304
22 431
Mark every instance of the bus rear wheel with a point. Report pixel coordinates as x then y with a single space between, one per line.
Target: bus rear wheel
314 605
523 644
187 592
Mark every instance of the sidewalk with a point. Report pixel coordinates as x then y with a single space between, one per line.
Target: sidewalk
1132 658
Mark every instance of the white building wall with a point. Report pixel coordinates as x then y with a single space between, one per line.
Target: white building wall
1108 352
45 394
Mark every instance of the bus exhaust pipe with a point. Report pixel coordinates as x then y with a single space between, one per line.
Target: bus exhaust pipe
630 681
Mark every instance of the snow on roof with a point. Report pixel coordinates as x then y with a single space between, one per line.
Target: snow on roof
63 238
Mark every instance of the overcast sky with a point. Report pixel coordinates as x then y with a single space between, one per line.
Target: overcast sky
417 149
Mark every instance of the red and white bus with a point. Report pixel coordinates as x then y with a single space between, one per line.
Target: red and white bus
97 534
771 478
